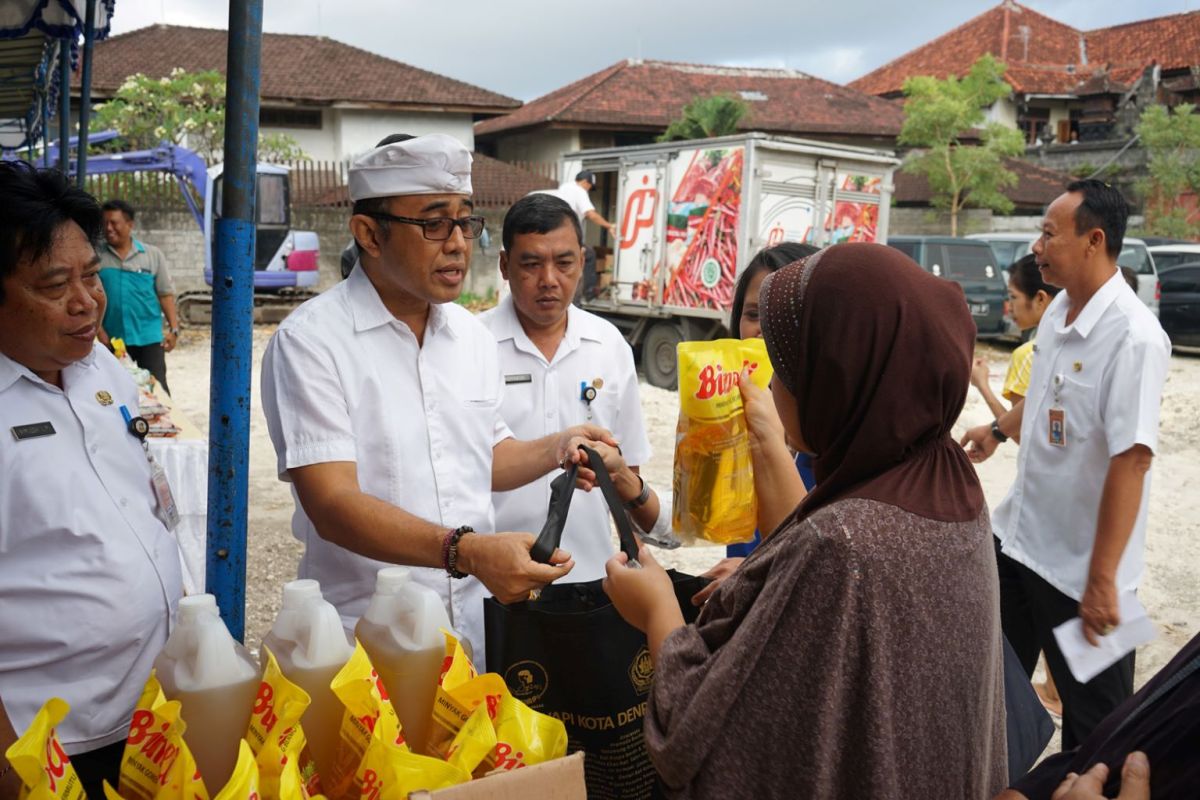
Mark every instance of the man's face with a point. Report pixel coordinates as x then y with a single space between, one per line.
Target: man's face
52 307
1061 252
118 228
430 271
542 270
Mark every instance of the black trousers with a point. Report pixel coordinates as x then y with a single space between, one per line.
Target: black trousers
1030 610
153 358
586 289
96 766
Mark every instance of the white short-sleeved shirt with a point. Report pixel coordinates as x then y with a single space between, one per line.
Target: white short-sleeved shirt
344 380
89 576
541 398
1105 373
576 197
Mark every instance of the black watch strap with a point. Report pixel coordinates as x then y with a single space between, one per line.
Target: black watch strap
998 434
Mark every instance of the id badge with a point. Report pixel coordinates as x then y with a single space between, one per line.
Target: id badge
168 512
1058 427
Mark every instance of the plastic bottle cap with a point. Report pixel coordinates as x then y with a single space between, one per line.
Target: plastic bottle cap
197 605
297 593
391 579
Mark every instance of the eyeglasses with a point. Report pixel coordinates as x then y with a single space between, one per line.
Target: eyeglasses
438 229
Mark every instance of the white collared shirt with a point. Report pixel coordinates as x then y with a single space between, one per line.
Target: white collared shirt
543 397
89 576
1105 374
344 380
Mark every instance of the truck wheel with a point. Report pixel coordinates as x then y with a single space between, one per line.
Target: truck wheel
658 355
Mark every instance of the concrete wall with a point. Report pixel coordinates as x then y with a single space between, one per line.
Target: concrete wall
1003 111
1082 158
543 145
930 222
319 143
357 131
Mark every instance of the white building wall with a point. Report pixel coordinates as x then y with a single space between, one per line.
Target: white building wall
544 145
357 131
318 144
1003 111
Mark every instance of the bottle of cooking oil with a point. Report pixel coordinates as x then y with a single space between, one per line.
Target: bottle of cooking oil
401 632
310 645
216 680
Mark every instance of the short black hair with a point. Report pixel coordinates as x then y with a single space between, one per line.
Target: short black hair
538 213
1027 277
768 259
119 205
378 205
1103 207
36 203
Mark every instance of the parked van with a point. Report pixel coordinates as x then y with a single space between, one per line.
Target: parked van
972 265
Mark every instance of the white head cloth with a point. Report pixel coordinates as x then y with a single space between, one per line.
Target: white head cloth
430 164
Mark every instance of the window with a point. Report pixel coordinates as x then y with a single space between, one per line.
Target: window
272 200
290 118
968 262
1166 260
1137 258
908 248
1185 280
1008 253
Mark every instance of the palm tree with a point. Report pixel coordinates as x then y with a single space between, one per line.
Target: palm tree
706 117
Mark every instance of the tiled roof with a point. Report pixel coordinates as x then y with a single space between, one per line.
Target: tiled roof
312 69
1045 56
1036 186
649 95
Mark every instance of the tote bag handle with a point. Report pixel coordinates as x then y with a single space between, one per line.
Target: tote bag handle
562 489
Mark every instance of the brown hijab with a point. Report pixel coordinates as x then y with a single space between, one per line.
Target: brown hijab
878 354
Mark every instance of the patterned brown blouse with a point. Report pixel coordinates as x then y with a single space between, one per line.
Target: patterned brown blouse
855 654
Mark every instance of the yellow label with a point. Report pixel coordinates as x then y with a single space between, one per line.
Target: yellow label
474 742
389 772
709 374
38 757
285 768
243 783
369 715
525 737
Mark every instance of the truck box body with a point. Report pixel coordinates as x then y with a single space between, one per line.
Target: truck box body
692 214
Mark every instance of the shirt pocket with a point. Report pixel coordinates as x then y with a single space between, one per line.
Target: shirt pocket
1079 405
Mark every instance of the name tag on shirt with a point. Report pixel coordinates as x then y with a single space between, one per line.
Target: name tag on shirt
32 431
1058 427
523 378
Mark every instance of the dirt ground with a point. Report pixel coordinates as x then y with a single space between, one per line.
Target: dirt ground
1170 589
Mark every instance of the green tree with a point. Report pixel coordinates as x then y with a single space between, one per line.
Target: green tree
1172 140
706 117
937 114
146 111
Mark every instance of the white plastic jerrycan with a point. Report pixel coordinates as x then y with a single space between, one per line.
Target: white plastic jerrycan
310 645
216 680
401 633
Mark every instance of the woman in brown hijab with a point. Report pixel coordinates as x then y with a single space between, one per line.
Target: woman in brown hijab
856 653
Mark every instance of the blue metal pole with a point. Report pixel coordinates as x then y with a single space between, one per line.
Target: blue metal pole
64 104
85 90
233 318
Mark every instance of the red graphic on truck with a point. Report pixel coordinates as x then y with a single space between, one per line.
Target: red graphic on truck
639 213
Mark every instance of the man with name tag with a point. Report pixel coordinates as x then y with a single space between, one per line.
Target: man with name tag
382 398
1070 534
89 573
566 366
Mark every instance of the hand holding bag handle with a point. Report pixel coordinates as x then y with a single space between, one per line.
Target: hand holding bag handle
562 489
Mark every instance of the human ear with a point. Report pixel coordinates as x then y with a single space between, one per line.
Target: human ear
504 264
365 233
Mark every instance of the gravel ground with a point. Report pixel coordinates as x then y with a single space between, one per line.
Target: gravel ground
1170 590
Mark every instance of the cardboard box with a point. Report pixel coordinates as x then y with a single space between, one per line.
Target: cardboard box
605 264
604 280
561 779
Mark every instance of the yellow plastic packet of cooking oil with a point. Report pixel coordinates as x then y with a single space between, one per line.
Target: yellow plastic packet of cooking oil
39 759
285 768
525 737
390 772
369 715
157 763
243 783
475 742
714 478
460 691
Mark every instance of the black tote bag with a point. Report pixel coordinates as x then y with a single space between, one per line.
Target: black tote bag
569 654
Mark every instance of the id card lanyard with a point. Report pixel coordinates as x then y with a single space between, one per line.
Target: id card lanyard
168 512
1056 429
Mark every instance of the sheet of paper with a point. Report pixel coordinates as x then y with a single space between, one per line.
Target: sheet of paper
1086 661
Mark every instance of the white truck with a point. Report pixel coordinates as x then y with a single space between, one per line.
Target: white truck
692 214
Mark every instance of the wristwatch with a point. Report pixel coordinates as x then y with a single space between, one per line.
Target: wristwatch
998 434
174 331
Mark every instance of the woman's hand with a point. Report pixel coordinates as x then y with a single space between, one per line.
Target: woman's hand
980 373
724 568
639 594
761 417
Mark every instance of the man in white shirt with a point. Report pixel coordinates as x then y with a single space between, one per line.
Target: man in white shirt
1071 532
565 366
382 398
89 575
577 194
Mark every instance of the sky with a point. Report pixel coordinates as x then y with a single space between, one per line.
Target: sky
526 48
